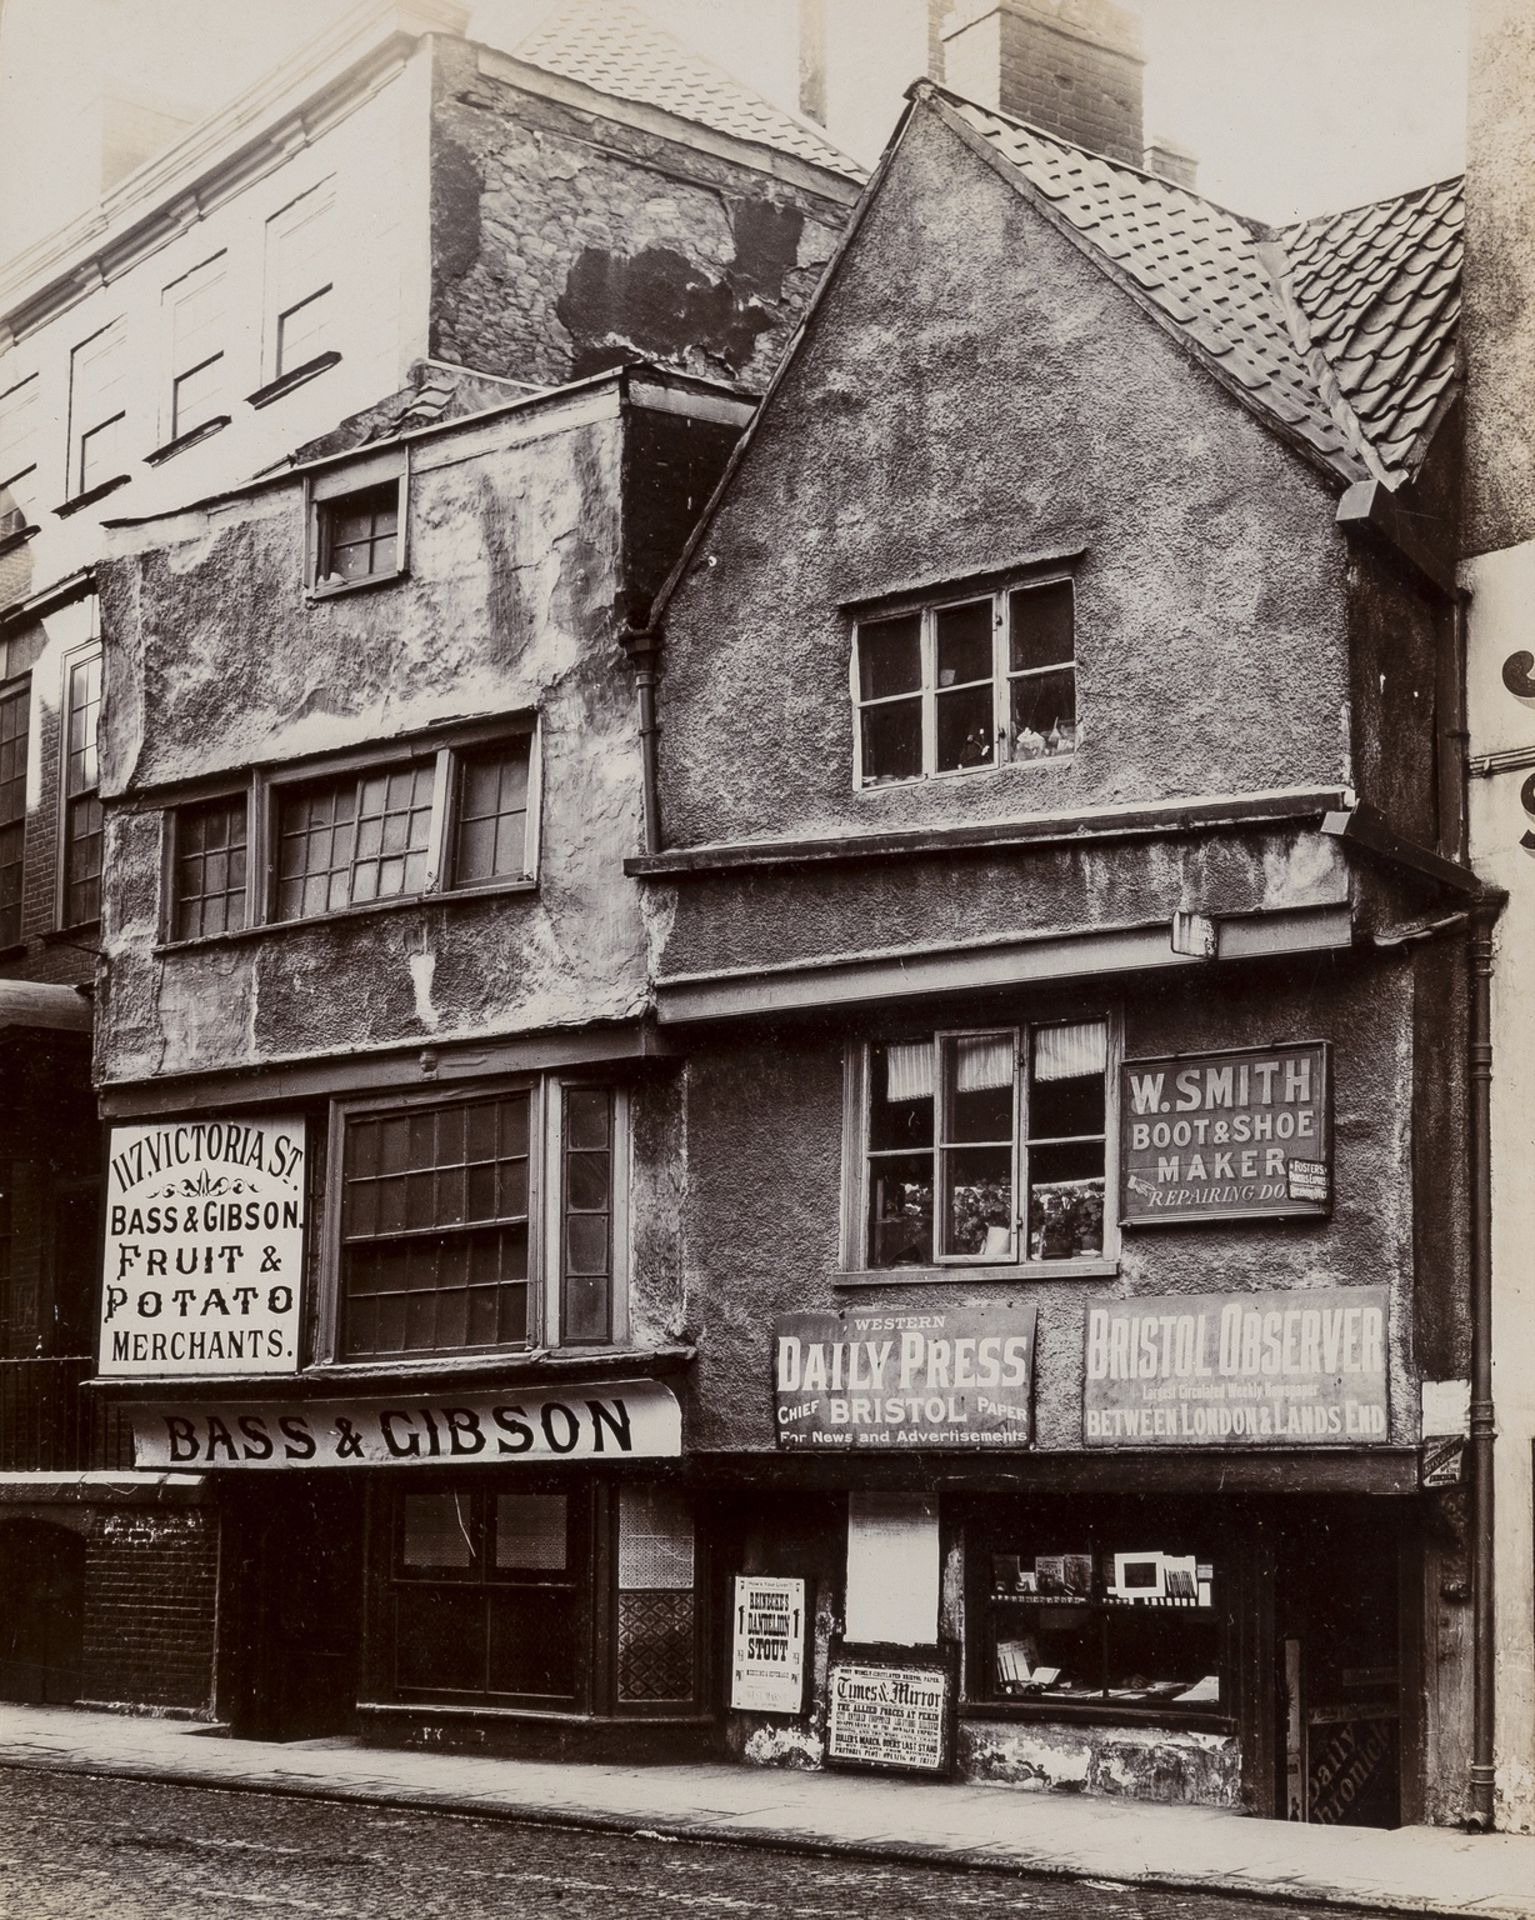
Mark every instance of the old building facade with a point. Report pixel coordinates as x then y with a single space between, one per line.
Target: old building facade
398 226
1063 931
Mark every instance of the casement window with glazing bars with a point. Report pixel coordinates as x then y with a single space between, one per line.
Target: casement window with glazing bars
479 1223
962 684
985 1147
363 830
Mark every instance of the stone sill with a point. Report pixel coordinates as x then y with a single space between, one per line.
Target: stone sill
1020 1271
194 436
296 377
457 896
89 499
338 589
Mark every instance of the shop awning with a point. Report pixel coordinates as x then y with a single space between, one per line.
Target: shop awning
33 1003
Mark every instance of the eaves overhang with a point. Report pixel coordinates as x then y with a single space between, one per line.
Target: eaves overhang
42 1006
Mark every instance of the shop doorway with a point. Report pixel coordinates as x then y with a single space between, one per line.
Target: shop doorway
1337 1638
42 1613
298 1607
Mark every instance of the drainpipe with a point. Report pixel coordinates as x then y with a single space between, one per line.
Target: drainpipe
1484 915
1454 738
643 644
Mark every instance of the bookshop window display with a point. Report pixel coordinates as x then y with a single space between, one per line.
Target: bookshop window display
1123 1618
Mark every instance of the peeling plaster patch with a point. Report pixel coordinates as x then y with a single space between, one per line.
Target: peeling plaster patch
1309 868
788 1747
422 967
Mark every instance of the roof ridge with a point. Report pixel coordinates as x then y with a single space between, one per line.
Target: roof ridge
1368 206
919 88
550 36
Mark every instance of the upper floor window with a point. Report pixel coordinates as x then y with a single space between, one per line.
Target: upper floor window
18 456
98 404
445 1209
300 260
987 1146
82 806
426 819
961 685
195 312
15 713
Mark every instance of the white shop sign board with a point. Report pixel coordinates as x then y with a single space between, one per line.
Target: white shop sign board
767 1659
204 1247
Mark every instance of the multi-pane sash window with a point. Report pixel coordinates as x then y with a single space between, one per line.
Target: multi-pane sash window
82 807
587 1143
210 877
434 1228
446 819
196 310
18 456
988 1146
15 708
98 401
966 684
361 837
359 536
300 280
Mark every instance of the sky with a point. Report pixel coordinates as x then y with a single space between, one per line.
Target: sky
1293 106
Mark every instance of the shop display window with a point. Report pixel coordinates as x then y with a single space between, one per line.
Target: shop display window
569 1599
1078 1619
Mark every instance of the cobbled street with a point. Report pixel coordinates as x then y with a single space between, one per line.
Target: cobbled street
74 1847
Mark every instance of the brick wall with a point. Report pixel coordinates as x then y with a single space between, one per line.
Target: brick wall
151 1584
565 243
1072 67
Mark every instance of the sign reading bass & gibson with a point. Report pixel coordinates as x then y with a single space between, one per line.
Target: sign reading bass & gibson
1304 1369
629 1420
956 1378
1220 1136
204 1247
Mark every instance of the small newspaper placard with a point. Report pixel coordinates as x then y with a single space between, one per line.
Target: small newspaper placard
891 1716
767 1658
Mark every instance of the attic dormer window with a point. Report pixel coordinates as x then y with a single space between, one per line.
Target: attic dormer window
357 525
963 684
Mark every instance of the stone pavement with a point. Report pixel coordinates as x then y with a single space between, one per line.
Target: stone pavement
1419 1870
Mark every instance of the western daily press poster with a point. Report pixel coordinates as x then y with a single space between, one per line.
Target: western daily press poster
960 1377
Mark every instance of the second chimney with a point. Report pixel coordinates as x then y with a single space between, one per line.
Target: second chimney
1073 67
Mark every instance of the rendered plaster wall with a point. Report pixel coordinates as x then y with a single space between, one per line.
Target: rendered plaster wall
1498 330
971 393
778 916
1123 1763
565 242
217 660
764 1140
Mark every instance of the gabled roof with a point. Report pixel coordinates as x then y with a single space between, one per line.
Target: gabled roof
1380 287
611 47
1340 332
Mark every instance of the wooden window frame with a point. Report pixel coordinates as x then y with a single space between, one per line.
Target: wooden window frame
314 203
329 489
926 609
74 658
546 1211
79 432
19 691
188 286
857 1090
265 789
23 447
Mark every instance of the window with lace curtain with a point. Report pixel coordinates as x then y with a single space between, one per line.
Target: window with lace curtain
986 1147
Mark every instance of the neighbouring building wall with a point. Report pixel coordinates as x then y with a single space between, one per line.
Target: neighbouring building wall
151 1592
1499 574
566 242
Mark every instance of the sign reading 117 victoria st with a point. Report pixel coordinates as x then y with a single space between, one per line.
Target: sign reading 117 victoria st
204 1247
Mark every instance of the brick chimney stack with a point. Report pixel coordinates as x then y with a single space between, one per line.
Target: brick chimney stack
1073 67
1169 161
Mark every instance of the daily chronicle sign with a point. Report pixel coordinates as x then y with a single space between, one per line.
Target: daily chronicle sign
204 1248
